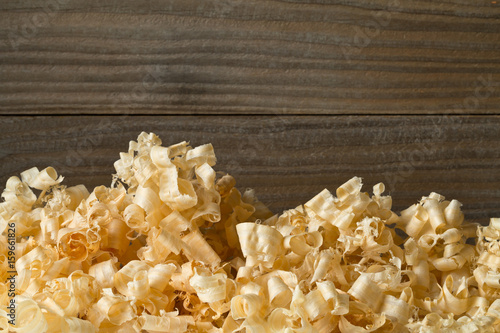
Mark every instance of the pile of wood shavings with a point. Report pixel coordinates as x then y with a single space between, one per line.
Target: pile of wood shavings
171 248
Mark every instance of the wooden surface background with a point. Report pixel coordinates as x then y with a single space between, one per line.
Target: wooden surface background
295 96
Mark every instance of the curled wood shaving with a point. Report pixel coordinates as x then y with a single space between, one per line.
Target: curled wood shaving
171 247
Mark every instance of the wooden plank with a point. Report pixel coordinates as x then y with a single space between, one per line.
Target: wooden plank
262 57
287 159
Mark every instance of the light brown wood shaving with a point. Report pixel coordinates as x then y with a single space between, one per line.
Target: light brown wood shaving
171 247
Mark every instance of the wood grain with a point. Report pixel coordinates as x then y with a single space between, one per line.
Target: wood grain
286 159
259 57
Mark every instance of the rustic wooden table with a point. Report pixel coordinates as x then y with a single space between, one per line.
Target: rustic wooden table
295 96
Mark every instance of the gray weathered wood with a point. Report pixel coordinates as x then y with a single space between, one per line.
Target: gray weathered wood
235 56
287 159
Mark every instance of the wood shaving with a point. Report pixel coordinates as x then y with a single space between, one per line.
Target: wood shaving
171 247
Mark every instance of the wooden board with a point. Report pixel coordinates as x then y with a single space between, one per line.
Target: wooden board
259 57
286 159
387 73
